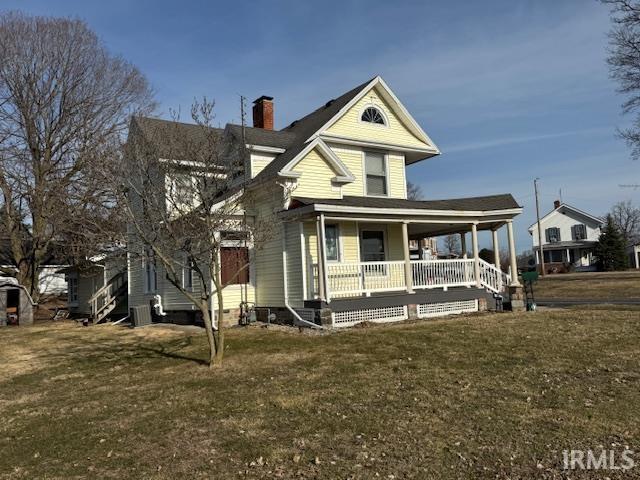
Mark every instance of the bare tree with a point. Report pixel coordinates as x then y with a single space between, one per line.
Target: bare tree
624 63
414 191
627 218
184 199
451 244
64 105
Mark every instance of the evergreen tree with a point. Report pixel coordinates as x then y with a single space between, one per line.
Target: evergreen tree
610 249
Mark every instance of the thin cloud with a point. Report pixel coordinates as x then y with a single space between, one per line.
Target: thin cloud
498 142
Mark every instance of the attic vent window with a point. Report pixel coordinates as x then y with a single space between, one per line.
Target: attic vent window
372 115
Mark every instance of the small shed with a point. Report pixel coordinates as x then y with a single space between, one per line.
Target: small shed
16 305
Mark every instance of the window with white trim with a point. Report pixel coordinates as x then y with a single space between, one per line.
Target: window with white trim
372 246
375 166
332 242
372 115
150 271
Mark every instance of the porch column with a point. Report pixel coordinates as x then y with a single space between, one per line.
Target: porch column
408 274
496 248
319 237
323 256
476 254
463 244
512 255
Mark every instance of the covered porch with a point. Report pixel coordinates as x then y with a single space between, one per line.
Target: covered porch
358 248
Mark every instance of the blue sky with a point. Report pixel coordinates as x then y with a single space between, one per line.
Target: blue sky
509 90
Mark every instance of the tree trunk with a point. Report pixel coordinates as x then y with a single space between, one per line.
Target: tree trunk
208 326
220 333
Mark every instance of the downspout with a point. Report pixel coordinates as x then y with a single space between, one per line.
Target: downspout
286 286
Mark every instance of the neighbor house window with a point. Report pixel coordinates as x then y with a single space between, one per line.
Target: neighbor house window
372 246
553 234
331 236
234 263
372 115
579 231
376 173
553 256
150 273
73 289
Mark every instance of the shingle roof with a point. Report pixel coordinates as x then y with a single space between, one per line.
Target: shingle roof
260 136
303 128
167 135
487 203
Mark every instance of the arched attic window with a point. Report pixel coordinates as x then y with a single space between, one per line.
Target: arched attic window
372 115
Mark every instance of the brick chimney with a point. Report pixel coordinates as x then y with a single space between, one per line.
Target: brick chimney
556 204
263 113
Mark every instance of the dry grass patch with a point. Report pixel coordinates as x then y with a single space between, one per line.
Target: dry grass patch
589 286
483 396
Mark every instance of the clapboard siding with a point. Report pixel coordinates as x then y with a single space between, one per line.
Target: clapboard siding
315 180
350 125
269 281
294 264
259 161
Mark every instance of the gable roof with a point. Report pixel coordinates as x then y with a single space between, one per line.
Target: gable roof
566 206
166 134
262 137
304 128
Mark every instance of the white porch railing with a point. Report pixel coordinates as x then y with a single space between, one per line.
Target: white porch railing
493 278
364 278
357 278
442 273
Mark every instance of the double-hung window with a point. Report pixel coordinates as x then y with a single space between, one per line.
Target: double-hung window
553 234
372 248
150 274
375 165
187 274
579 231
331 236
73 289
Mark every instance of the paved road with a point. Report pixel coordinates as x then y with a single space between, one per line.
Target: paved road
581 301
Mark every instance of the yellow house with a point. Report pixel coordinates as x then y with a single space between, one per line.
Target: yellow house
339 254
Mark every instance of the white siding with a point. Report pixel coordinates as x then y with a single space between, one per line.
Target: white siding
564 219
259 161
294 264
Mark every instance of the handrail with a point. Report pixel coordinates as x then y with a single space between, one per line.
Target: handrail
106 294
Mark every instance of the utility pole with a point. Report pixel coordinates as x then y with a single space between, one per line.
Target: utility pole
535 187
245 166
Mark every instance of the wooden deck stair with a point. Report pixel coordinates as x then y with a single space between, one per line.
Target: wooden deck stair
106 299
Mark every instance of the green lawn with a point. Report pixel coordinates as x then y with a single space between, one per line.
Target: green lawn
589 286
481 396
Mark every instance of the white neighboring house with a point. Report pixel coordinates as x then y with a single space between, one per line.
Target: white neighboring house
568 236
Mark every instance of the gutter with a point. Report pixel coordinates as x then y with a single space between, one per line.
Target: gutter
286 286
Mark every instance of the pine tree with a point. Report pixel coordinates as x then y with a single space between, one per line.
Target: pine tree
610 249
